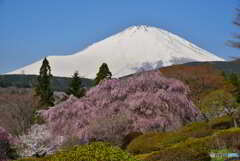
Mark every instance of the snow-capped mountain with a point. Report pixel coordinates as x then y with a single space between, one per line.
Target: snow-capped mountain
135 49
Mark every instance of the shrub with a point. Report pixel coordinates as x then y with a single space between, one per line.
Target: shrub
92 152
128 138
220 123
156 141
223 139
197 130
179 154
196 133
198 148
153 142
143 156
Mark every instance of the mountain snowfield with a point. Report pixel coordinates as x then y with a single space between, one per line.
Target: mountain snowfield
135 49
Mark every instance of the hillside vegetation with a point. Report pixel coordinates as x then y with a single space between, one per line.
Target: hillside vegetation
177 113
29 81
192 142
201 79
226 66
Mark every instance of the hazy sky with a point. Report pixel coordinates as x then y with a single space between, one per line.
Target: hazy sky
32 29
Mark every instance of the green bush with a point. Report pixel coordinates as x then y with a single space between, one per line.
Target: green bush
128 138
179 154
145 143
220 123
198 148
154 141
97 151
198 131
224 139
199 144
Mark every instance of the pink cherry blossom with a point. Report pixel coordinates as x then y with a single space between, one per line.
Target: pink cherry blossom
146 101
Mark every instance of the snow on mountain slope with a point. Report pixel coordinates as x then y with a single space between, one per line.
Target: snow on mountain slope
134 49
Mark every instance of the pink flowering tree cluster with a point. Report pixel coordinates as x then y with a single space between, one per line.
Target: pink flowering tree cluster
143 102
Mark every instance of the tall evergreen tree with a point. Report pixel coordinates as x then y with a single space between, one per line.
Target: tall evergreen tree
75 86
104 73
43 88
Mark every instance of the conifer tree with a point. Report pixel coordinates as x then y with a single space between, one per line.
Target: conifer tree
104 73
75 86
43 88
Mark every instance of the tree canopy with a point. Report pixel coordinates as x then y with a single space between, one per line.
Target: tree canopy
104 73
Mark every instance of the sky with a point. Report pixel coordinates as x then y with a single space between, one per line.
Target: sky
31 30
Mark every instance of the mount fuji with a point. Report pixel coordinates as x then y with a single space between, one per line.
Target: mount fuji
135 49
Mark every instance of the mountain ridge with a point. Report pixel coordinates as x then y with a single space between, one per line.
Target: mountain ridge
135 49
